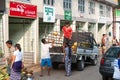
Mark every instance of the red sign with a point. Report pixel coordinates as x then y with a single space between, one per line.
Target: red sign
23 10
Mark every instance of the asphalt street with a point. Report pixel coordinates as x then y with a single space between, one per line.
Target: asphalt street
90 73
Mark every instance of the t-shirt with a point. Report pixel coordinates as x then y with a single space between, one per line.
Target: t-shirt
45 51
67 32
116 74
9 55
18 55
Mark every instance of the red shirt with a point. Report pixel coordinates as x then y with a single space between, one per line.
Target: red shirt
67 31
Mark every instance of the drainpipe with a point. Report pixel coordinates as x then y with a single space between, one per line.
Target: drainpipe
114 21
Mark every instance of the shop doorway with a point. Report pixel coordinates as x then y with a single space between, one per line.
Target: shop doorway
91 27
45 30
80 26
21 31
100 32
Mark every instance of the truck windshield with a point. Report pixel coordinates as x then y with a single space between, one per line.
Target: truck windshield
112 52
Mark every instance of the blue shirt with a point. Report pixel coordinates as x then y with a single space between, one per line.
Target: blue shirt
119 63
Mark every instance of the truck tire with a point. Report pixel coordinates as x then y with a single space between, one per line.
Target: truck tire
55 65
94 61
80 65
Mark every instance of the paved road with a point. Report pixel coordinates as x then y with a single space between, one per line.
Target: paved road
90 73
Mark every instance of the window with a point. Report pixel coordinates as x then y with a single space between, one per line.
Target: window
108 11
91 7
112 52
49 2
24 0
67 4
81 6
102 10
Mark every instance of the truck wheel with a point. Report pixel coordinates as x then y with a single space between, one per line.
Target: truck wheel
55 65
80 65
94 61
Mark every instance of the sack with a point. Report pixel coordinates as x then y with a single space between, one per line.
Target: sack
17 66
116 74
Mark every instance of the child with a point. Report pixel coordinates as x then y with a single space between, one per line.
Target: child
67 58
116 74
45 56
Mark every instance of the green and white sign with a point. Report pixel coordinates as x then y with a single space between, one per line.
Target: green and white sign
117 13
68 15
49 14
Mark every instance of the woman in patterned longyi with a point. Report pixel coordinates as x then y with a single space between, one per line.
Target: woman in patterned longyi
16 63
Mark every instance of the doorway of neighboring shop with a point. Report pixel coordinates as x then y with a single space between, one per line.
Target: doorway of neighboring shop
21 31
100 32
45 30
80 26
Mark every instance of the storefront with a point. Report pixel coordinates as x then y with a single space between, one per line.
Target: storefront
46 24
80 26
101 29
21 28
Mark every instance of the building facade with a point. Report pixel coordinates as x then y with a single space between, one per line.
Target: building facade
28 21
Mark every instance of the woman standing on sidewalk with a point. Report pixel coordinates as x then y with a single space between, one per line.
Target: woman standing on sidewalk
16 63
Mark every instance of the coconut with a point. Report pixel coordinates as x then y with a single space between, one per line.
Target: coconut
55 33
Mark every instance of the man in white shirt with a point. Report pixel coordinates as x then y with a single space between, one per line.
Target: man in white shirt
8 57
45 56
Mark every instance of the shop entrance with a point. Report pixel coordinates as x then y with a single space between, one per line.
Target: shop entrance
80 26
91 27
100 32
45 30
21 31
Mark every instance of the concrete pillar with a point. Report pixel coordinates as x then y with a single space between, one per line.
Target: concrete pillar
117 31
57 25
86 27
96 32
36 40
73 26
5 22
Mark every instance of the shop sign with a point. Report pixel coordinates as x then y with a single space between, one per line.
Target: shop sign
68 15
2 5
23 10
49 14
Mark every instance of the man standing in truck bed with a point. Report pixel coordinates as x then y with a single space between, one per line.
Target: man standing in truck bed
67 32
